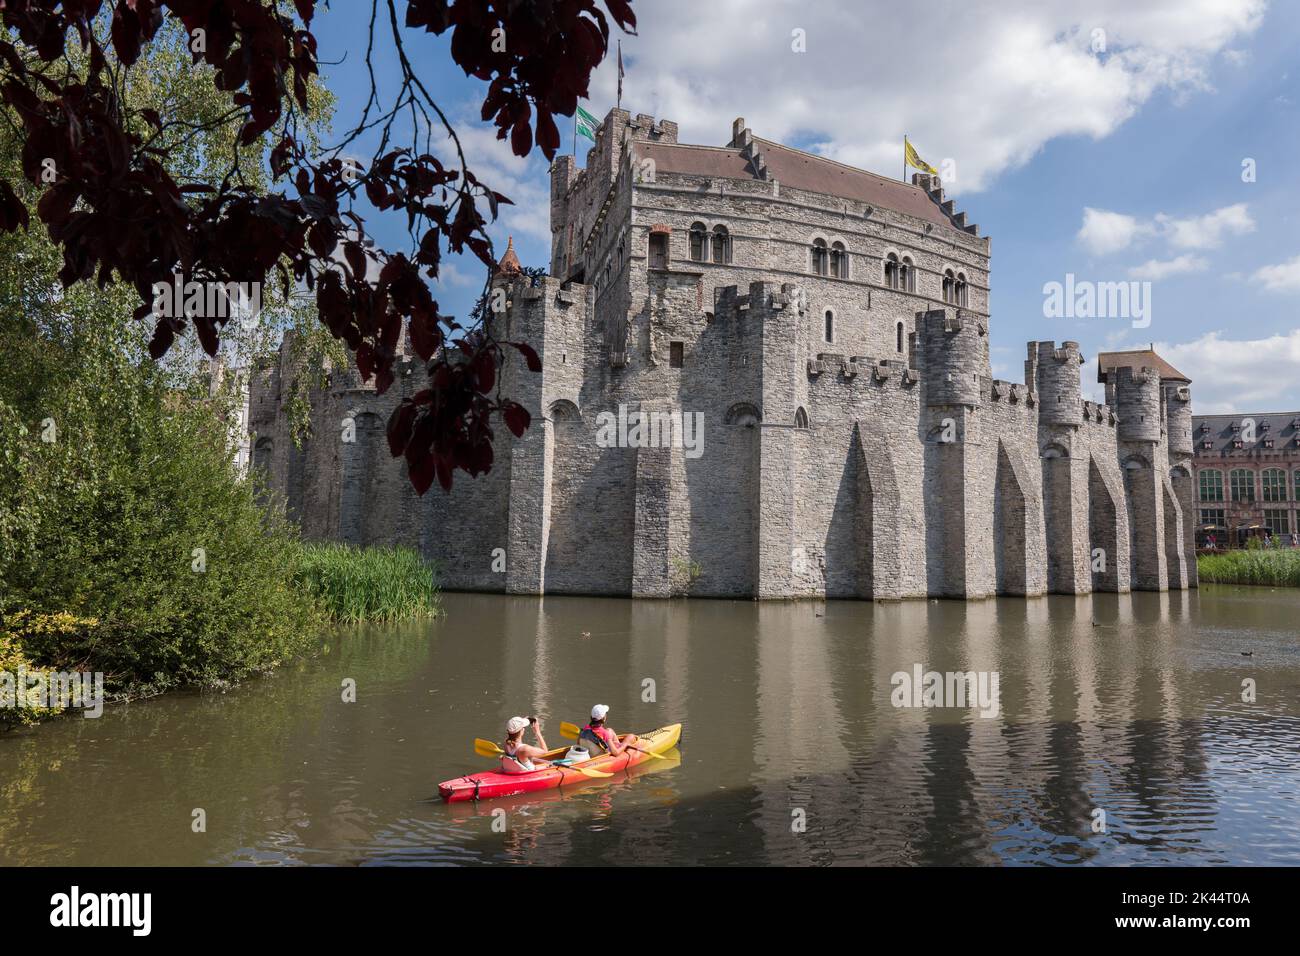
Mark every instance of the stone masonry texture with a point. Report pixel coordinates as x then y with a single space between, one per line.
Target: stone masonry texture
813 356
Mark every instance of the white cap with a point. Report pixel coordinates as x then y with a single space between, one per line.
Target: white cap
516 724
599 711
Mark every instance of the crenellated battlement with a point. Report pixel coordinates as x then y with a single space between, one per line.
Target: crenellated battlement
933 187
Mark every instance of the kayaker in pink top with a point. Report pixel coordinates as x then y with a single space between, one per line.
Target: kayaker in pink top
599 739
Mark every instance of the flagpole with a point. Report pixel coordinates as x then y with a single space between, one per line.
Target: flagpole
575 133
619 103
904 157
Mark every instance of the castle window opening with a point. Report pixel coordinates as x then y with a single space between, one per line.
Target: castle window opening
800 418
839 261
830 326
907 275
676 354
658 250
721 244
820 257
891 271
697 241
742 413
960 294
898 337
949 287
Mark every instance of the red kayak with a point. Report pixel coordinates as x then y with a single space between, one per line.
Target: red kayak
493 783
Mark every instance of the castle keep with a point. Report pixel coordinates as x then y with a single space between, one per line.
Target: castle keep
830 329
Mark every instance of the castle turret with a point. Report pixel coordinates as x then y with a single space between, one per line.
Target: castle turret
1135 394
953 350
1178 417
1054 373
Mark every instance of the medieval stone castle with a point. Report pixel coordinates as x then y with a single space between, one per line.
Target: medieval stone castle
828 330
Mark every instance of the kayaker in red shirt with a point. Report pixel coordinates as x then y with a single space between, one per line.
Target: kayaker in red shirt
599 739
520 757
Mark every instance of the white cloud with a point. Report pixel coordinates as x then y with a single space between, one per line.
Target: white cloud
988 93
1208 231
452 275
1104 232
1282 277
523 180
1239 375
1155 269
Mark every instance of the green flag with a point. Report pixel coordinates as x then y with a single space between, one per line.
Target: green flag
586 124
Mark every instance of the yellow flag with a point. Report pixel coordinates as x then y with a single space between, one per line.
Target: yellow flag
915 161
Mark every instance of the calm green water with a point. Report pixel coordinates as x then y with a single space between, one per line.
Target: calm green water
787 715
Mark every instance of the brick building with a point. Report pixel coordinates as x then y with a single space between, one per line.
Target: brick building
830 329
1247 476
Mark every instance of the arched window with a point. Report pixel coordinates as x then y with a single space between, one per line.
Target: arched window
1242 481
891 271
898 337
742 413
949 287
820 257
830 326
697 241
839 261
721 244
907 275
800 418
1273 481
959 291
262 452
564 411
1211 484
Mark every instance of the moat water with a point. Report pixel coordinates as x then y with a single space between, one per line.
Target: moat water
793 751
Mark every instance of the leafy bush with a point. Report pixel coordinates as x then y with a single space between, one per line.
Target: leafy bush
367 584
120 502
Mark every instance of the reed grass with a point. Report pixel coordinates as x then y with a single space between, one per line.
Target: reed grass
351 584
1266 566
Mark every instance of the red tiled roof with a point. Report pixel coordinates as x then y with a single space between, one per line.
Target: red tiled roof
1138 358
798 170
509 264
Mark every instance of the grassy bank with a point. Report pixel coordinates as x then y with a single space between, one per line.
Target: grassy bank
351 584
1276 568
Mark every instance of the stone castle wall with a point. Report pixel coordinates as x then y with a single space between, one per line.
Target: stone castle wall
833 463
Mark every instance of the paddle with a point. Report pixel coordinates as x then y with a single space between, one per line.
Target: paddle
571 731
486 748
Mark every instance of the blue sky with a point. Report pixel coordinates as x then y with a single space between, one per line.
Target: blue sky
1143 116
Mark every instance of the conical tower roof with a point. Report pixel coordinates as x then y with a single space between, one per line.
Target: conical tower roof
509 264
